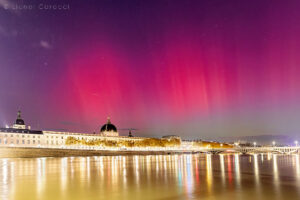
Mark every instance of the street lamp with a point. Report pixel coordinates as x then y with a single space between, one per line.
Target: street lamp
273 143
296 143
254 143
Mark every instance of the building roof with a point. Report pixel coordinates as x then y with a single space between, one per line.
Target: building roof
108 127
19 120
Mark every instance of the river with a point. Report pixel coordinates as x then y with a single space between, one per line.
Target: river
190 176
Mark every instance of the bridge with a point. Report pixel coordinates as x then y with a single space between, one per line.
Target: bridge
249 150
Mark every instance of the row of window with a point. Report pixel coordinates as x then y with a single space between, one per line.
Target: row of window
17 135
19 142
28 142
23 136
54 142
55 137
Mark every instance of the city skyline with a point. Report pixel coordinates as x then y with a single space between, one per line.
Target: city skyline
195 68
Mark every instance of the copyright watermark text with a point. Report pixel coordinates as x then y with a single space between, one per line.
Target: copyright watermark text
40 6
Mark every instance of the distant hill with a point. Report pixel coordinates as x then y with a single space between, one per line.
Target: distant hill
263 139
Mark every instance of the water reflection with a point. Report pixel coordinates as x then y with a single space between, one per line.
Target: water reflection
297 161
256 170
222 169
276 176
208 173
4 177
237 170
151 177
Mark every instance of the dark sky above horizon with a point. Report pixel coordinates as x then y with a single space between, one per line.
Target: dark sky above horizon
199 69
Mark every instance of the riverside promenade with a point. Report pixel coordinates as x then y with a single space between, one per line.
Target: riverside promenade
20 152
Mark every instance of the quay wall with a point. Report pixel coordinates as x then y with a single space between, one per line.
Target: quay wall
27 152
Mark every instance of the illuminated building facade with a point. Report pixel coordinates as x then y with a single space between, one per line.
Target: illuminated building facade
20 135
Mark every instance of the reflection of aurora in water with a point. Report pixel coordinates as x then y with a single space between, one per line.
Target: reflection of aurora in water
150 177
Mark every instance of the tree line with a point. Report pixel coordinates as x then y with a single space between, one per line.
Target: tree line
147 142
211 144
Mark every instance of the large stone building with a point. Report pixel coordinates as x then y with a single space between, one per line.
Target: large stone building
20 135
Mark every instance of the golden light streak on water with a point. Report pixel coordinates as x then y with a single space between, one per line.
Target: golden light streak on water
137 174
256 169
4 194
297 161
222 169
209 173
276 180
269 156
63 175
257 175
237 170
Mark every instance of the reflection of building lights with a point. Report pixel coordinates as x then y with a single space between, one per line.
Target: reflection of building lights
269 156
4 173
256 173
276 173
256 169
208 172
237 168
64 174
222 168
297 161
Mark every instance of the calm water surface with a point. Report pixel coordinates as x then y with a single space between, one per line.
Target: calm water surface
152 177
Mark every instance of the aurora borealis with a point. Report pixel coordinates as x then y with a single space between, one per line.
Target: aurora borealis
194 68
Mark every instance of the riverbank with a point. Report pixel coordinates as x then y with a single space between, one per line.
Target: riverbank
20 152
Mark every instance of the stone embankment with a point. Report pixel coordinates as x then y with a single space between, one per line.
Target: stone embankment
17 152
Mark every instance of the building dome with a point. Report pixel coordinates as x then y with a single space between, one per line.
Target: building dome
19 120
108 127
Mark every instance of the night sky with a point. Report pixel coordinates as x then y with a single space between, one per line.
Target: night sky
199 69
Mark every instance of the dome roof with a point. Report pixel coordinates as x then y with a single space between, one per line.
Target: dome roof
19 120
108 127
